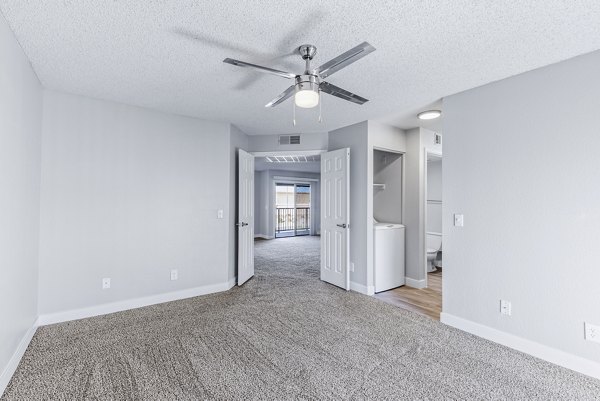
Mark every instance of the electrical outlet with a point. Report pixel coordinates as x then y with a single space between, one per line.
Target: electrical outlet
592 332
174 275
105 283
351 266
220 214
459 220
505 307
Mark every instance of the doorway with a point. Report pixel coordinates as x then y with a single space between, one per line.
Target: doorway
292 209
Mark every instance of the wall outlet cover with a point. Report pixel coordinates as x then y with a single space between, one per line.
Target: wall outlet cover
174 275
105 283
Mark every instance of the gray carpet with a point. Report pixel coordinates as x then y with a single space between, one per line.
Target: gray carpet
283 335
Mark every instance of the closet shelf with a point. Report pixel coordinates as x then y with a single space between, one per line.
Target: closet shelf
379 186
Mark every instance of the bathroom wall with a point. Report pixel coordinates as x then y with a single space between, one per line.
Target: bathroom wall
434 196
521 163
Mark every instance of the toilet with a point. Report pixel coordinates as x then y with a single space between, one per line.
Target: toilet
434 245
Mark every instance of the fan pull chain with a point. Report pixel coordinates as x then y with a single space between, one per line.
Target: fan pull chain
294 118
320 108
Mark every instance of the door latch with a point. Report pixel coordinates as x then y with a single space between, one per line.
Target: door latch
342 225
242 224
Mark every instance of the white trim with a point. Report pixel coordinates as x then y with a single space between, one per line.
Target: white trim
11 367
363 289
263 236
553 355
411 282
119 306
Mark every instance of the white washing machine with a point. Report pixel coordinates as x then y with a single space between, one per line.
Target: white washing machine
389 256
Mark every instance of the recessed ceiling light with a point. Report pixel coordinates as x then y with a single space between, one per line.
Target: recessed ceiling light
429 114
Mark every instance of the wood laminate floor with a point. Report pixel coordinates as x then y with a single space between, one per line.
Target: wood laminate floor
426 301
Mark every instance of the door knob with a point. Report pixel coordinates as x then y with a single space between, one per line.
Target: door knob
342 225
242 224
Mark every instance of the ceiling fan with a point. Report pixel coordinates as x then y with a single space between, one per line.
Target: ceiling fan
310 84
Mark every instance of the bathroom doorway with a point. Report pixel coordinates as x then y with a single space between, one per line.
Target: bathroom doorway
433 249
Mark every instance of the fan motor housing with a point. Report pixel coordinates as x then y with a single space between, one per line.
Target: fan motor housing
307 82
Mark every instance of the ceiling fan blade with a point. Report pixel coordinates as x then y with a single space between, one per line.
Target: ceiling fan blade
260 68
282 96
344 59
341 93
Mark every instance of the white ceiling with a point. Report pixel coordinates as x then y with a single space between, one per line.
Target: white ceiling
167 55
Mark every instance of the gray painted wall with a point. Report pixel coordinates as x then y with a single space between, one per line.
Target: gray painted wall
20 148
521 163
129 193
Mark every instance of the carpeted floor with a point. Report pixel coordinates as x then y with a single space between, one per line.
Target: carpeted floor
283 335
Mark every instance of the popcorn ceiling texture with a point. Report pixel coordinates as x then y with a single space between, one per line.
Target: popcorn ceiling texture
283 335
167 55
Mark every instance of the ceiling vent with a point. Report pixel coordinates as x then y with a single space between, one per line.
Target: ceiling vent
289 139
437 139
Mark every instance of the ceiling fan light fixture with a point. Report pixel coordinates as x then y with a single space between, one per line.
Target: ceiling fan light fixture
307 98
429 114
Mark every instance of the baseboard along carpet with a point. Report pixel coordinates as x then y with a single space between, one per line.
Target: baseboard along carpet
283 335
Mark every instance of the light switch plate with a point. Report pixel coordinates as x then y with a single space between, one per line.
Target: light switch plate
505 307
592 332
459 220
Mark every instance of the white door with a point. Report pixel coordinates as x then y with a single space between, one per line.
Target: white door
245 223
335 217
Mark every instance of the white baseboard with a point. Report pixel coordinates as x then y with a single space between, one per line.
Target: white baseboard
263 236
11 367
411 282
553 355
363 289
119 306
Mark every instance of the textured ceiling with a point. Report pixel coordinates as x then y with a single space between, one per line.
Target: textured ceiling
167 55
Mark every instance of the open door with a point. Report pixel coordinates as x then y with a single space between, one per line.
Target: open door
245 223
335 217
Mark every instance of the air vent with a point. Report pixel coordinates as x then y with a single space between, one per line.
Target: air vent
437 139
289 139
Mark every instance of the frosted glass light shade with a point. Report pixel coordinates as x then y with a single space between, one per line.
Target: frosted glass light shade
306 99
